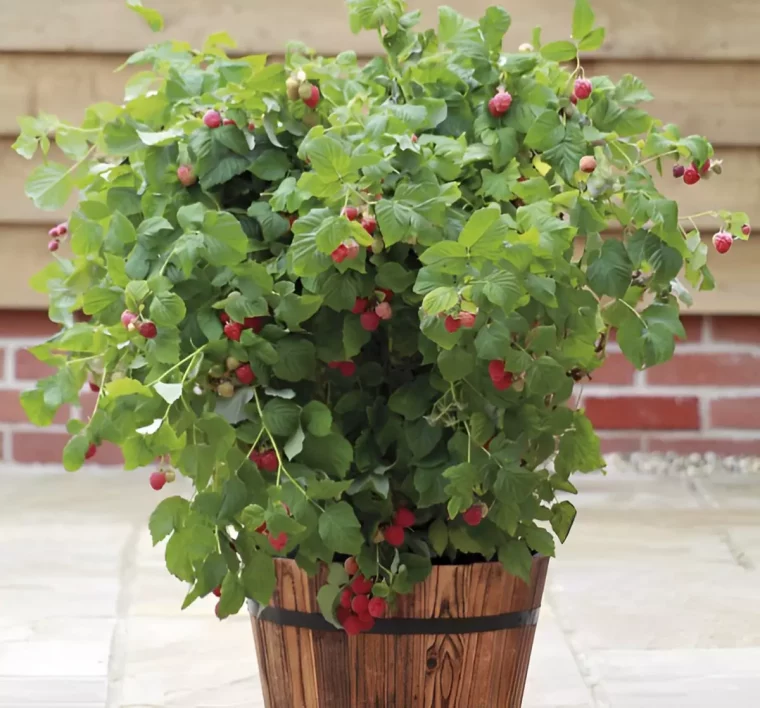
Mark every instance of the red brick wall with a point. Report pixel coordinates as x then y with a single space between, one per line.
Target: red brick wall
706 400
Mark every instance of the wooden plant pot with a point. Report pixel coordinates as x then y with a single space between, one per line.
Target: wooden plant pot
461 639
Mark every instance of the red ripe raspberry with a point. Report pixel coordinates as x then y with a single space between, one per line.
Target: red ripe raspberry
224 318
474 515
260 529
467 319
404 517
254 323
334 364
251 126
342 613
128 318
691 175
496 370
292 219
500 104
351 566
452 324
217 610
583 88
387 294
352 249
377 607
383 310
228 121
268 461
369 224
278 542
361 586
93 386
394 535
369 321
217 591
158 480
345 598
360 305
746 229
350 212
212 119
245 374
723 242
233 330
347 368
359 604
147 330
678 171
90 451
705 167
352 626
53 245
340 254
186 176
312 100
366 621
587 164
573 99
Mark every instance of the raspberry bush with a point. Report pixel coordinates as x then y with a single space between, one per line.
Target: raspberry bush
351 301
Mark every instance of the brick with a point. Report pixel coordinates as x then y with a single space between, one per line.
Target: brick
736 329
685 446
707 370
738 413
643 412
47 447
11 410
618 444
616 370
26 323
28 368
693 326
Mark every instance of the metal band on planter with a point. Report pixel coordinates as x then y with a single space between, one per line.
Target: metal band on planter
400 625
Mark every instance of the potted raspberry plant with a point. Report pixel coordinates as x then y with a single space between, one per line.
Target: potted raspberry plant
351 302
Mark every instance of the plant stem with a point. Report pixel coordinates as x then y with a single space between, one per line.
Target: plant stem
634 310
177 365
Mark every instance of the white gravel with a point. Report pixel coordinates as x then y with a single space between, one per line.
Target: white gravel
694 465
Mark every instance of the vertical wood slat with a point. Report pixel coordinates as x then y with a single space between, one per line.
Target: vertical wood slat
301 668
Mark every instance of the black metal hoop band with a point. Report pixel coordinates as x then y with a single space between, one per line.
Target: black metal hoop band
402 625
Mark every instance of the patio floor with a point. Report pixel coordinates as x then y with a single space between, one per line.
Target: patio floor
653 602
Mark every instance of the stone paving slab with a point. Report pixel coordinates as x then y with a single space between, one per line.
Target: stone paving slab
652 603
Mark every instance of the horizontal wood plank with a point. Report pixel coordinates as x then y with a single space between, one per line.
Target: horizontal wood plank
689 29
25 252
737 189
65 85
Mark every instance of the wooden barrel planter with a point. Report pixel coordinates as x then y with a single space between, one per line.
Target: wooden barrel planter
461 639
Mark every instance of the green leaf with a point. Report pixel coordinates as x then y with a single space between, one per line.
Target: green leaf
271 165
456 364
545 376
340 529
438 535
233 595
610 274
317 418
331 453
167 309
259 578
126 387
563 516
49 186
494 25
224 239
297 359
583 19
559 51
167 517
477 225
327 599
153 17
579 449
282 417
516 558
547 130
593 40
74 452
